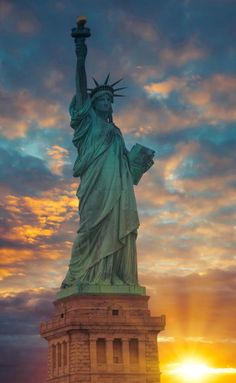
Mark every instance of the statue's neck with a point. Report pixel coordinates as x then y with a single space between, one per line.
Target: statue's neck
103 115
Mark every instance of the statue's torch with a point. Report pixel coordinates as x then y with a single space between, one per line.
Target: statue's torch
80 31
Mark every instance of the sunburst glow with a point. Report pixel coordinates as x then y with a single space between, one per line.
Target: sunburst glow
196 370
190 369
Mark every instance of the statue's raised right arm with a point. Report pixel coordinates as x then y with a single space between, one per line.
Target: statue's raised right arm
80 34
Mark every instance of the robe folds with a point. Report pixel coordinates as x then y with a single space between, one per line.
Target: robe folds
104 250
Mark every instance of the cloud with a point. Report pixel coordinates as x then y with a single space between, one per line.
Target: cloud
164 88
181 55
5 273
6 9
28 26
187 219
143 119
53 81
214 98
58 156
26 309
25 355
36 234
135 26
44 214
20 110
196 305
200 160
156 76
24 174
22 20
211 100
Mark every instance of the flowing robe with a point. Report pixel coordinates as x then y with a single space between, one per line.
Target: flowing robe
104 250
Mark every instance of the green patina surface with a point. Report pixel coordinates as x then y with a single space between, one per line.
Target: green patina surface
101 289
104 256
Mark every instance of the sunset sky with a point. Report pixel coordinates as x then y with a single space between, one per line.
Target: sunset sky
178 61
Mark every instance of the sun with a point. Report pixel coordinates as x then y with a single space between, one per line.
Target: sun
193 370
196 370
190 369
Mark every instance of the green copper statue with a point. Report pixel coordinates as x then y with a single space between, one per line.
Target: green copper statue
104 250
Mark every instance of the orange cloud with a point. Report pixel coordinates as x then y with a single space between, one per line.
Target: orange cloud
24 20
53 80
141 29
135 26
164 88
30 233
167 57
181 230
212 100
27 110
144 73
28 25
140 121
57 156
5 273
176 57
47 213
204 97
13 256
6 9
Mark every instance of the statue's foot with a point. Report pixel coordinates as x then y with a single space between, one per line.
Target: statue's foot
117 281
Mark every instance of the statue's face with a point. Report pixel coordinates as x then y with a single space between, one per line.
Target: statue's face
103 103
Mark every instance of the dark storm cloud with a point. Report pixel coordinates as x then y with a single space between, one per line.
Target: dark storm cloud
24 174
28 363
24 355
22 313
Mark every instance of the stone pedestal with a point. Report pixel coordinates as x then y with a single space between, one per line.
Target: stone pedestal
102 339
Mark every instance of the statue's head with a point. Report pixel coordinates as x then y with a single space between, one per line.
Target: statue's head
103 102
103 95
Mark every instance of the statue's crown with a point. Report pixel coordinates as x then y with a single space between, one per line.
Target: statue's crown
105 88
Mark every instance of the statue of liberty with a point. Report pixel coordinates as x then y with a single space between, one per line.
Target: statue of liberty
104 251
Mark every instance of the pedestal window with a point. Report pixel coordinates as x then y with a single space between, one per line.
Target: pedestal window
54 356
59 354
117 351
133 351
101 351
64 354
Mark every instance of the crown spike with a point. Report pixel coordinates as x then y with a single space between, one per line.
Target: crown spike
106 81
116 82
95 81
